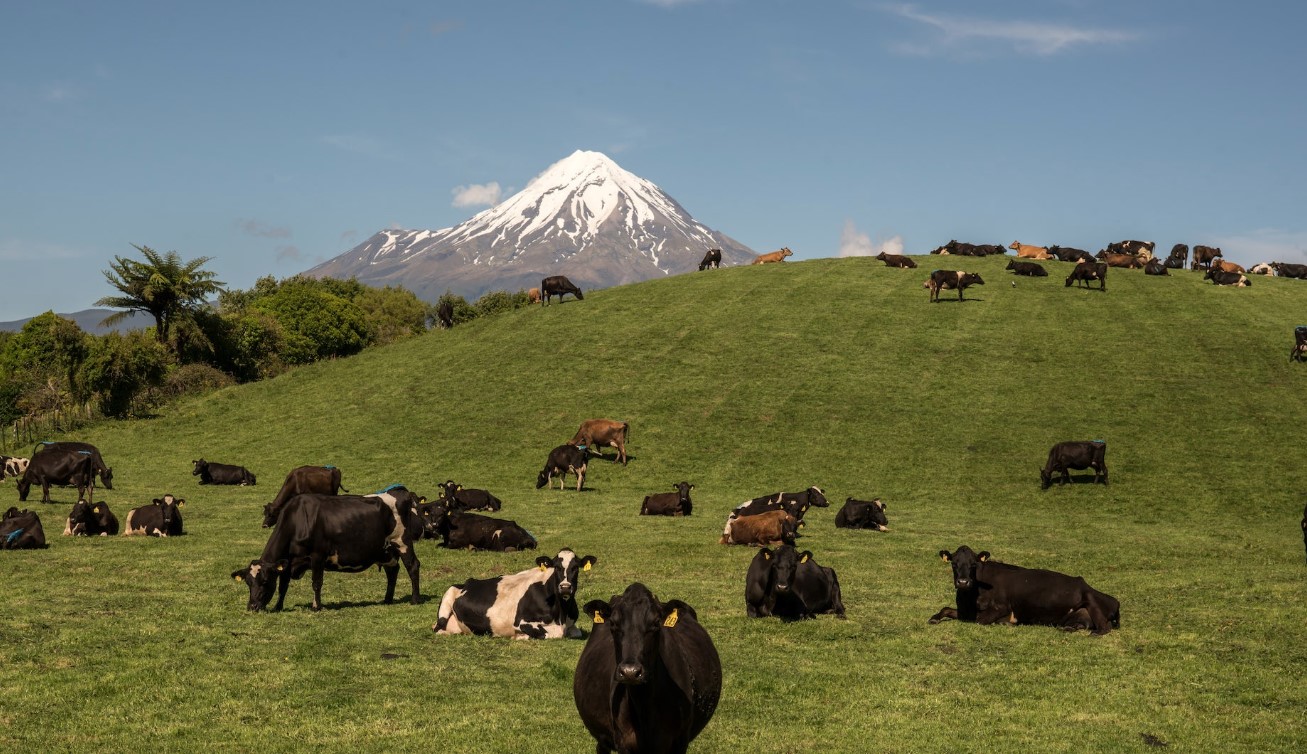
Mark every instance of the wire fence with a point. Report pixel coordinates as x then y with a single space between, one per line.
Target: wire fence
26 431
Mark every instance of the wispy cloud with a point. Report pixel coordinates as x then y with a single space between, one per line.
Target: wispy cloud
260 229
289 252
484 195
1263 245
854 243
952 32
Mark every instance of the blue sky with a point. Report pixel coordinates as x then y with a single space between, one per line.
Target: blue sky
272 135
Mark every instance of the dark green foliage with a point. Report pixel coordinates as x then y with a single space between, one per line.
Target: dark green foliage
496 302
315 324
122 368
462 310
195 379
393 313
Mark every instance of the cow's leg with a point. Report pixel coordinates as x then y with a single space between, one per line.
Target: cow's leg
621 452
392 575
580 477
945 613
996 614
414 568
318 570
283 583
45 492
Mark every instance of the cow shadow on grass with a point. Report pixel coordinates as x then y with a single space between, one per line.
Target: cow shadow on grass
1081 479
955 300
611 459
347 604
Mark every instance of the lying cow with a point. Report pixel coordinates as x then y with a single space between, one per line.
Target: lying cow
949 280
1078 455
791 586
455 497
349 533
538 603
13 467
676 503
21 530
1125 261
1227 278
1155 267
603 433
649 677
1029 269
1082 274
1070 254
161 518
83 448
59 468
1178 257
1262 268
711 261
221 473
321 480
969 249
564 460
1286 270
1026 251
794 503
1141 249
770 528
89 519
896 260
1223 266
989 592
470 531
1203 256
773 257
558 285
862 514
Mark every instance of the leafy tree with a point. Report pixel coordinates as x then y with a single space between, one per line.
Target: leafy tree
315 324
393 313
163 286
121 368
46 355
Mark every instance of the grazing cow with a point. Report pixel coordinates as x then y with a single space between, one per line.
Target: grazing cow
1126 261
1026 251
533 296
21 530
538 603
69 446
1029 269
1155 267
1085 272
770 528
1262 268
599 433
712 260
558 285
1178 257
669 503
161 518
969 249
1285 270
1203 256
89 519
1078 455
349 533
65 469
445 314
1227 278
1069 254
649 677
896 260
794 503
455 497
221 473
862 514
775 256
564 460
322 480
470 531
949 280
1141 249
989 592
1223 266
790 585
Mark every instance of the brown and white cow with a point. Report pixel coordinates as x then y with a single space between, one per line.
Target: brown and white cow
770 528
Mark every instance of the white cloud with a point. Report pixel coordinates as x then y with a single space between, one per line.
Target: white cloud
1263 245
484 195
854 243
1026 37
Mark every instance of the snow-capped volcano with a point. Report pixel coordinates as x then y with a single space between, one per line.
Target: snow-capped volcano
584 217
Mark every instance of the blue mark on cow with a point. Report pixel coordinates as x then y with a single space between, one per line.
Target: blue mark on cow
85 452
12 538
388 489
328 467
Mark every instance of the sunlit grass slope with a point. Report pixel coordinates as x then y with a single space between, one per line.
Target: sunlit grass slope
743 381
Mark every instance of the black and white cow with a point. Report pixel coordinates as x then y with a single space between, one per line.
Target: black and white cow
794 503
862 514
12 467
455 497
711 261
89 519
1075 454
1085 272
1227 278
1070 254
221 473
676 503
538 603
62 469
161 518
21 530
564 460
349 533
947 280
790 585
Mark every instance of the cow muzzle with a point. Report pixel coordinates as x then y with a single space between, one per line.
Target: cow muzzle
782 586
630 673
962 583
565 589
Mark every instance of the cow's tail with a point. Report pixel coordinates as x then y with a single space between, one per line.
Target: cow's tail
626 432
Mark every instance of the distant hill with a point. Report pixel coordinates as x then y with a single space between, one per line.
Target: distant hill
89 320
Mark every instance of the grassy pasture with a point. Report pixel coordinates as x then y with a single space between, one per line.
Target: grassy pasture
743 381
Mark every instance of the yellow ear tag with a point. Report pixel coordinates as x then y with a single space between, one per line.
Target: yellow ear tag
239 578
598 618
803 559
544 567
586 567
96 509
671 619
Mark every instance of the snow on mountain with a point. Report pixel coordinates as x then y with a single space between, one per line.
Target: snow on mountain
584 217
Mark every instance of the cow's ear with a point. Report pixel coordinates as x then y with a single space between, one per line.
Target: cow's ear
945 556
879 504
806 556
983 556
588 561
598 610
281 566
96 509
683 609
181 503
765 553
458 487
157 501
692 486
422 499
800 524
543 562
238 575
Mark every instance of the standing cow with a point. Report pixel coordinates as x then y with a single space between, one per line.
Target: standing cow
83 448
1078 455
321 480
599 433
59 468
564 460
161 518
538 603
558 285
711 261
949 280
789 585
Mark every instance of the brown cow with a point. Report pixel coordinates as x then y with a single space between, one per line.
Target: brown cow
533 295
1203 256
322 480
597 433
1025 251
775 256
1128 261
770 528
1220 265
896 260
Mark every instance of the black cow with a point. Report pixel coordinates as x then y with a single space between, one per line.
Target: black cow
989 592
322 480
1179 256
1203 256
896 260
457 498
221 473
1029 269
89 519
794 503
1156 266
649 677
557 285
538 603
862 514
161 518
564 460
1286 270
1085 272
61 468
970 249
69 446
1299 351
1070 254
471 531
348 533
711 261
676 503
445 314
790 585
21 530
951 279
1227 278
1078 455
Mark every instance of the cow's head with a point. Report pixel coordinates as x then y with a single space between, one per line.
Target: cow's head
168 505
261 578
634 619
965 562
85 516
449 488
817 497
783 563
876 510
24 486
435 519
106 478
198 467
566 571
683 492
269 516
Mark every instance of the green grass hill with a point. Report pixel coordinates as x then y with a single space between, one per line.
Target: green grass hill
743 381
